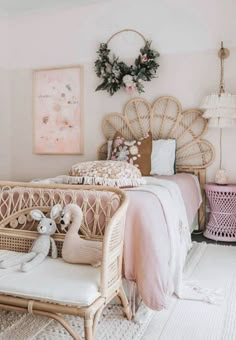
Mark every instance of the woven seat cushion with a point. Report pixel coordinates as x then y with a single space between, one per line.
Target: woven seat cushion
55 281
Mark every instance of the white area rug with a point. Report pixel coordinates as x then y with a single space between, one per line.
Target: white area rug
212 266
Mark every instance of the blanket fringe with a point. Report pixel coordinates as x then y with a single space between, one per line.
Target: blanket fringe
143 313
115 182
191 290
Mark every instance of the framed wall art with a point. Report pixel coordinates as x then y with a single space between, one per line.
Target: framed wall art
57 107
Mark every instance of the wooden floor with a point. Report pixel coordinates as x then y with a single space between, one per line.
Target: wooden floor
200 238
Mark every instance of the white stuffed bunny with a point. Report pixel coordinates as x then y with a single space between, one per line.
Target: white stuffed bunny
41 246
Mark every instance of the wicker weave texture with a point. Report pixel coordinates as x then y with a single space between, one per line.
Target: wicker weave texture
98 207
104 212
165 119
222 221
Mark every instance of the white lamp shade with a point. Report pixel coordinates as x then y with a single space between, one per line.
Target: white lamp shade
221 122
220 110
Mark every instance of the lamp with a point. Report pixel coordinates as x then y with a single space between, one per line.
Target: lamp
220 110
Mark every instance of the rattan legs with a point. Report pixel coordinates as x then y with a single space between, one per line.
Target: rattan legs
97 317
62 321
91 321
125 303
88 328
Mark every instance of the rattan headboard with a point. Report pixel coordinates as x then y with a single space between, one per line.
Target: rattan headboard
165 119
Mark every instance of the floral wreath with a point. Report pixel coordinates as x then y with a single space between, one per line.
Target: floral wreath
116 74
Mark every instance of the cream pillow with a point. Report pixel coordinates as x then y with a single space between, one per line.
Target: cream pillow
163 157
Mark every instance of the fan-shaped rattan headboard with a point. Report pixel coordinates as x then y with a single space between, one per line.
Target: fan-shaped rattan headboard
165 119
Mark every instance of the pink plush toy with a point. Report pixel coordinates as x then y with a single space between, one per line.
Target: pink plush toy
75 249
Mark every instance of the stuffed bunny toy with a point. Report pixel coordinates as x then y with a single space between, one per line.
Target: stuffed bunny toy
41 246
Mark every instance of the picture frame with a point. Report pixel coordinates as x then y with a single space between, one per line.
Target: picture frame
58 110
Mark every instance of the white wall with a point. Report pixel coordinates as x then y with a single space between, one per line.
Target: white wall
5 126
189 67
4 38
5 111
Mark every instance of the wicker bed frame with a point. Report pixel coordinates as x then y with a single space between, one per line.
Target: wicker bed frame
165 119
17 232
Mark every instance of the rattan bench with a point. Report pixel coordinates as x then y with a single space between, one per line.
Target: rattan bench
104 212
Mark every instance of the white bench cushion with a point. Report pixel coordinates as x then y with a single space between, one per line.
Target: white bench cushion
53 280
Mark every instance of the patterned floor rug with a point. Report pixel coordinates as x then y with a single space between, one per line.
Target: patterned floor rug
212 266
112 326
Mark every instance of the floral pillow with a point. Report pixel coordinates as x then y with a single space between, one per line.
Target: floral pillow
111 173
136 152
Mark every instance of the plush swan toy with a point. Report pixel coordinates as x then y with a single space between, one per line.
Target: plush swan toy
75 249
41 246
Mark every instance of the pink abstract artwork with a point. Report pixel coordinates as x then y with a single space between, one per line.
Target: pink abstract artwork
58 111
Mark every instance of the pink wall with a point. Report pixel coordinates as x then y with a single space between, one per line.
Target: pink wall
189 68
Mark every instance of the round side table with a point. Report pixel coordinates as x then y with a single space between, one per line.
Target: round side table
222 221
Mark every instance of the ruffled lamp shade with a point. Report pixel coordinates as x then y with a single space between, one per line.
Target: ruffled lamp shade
220 110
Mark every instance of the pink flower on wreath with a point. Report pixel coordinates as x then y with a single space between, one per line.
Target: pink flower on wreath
144 58
130 88
129 83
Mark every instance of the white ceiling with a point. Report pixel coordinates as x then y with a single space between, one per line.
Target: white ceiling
14 7
177 25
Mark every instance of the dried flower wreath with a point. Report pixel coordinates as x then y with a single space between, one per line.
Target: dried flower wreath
117 74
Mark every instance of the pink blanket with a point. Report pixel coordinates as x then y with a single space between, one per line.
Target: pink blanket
147 246
190 190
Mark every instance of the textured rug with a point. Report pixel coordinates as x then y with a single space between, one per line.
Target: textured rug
212 266
112 326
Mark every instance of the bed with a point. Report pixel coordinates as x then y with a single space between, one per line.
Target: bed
166 119
148 245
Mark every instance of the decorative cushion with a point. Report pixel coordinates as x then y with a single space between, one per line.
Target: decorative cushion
136 152
109 149
55 281
163 157
112 173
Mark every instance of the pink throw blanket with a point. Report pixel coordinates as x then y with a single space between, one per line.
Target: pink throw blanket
147 244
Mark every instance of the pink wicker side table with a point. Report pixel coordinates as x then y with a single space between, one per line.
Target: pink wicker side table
222 221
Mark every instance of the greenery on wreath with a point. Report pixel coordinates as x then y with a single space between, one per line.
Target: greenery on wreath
116 74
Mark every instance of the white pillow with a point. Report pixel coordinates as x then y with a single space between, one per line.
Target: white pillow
163 157
109 149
